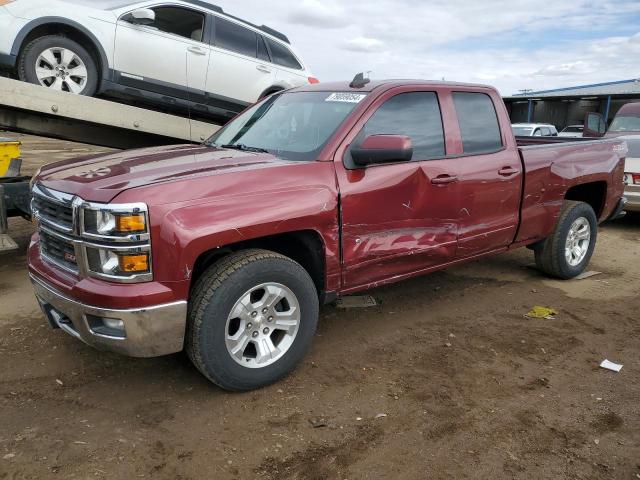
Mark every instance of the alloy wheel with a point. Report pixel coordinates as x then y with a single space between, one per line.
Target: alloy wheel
578 241
262 325
61 69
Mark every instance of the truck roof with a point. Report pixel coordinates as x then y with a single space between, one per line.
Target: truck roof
374 84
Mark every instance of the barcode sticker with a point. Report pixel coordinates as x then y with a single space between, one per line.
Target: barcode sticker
345 97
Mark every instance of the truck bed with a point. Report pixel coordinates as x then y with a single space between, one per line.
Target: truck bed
553 166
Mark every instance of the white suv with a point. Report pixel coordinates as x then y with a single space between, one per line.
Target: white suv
178 53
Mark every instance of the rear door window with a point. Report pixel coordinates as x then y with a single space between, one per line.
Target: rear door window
414 114
281 55
233 37
478 122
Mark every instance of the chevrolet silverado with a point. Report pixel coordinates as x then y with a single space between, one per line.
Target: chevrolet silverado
227 249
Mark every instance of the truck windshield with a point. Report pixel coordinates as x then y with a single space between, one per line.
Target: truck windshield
522 131
625 124
293 126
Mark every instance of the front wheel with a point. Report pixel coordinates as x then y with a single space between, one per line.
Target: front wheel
251 319
58 63
567 252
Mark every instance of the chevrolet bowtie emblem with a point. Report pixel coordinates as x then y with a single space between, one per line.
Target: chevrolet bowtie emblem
98 172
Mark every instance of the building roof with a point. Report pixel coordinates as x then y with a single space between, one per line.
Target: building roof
621 87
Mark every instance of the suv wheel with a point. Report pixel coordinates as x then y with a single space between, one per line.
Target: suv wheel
252 317
567 252
58 63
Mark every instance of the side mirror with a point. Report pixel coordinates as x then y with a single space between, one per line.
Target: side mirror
383 149
594 125
141 16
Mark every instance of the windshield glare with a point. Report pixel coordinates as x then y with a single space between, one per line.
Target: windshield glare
522 131
293 126
625 124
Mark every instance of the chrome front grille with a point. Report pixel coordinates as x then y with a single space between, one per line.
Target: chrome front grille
54 209
58 250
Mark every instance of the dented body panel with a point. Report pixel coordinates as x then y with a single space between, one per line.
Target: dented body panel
377 224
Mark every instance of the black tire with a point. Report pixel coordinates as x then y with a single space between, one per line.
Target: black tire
29 56
550 255
212 299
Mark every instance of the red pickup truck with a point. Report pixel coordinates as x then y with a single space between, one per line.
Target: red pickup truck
227 249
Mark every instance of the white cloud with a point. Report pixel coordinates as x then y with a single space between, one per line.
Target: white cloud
565 69
317 14
512 45
363 44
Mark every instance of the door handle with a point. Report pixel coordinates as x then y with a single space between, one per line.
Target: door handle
263 69
507 171
197 50
444 179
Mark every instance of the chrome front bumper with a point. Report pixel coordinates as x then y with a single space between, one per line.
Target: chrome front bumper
147 332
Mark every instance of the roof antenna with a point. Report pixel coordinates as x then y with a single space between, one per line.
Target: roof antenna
359 81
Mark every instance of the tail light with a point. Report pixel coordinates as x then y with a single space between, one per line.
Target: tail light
313 80
636 178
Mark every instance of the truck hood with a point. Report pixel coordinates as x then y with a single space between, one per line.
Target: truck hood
100 178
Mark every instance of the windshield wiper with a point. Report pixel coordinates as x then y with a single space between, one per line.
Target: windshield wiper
244 148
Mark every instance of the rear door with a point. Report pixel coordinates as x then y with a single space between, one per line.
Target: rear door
398 218
168 56
239 66
489 173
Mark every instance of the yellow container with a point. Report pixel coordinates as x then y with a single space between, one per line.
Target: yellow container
9 150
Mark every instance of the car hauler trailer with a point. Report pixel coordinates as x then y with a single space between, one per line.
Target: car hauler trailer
42 111
28 108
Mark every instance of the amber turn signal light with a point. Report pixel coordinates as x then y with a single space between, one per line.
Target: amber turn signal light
4 2
130 223
133 263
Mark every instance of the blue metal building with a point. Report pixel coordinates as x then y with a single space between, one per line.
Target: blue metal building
568 106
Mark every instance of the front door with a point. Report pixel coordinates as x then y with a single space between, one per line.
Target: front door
168 56
398 218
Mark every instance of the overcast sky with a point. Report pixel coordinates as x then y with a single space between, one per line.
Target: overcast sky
517 44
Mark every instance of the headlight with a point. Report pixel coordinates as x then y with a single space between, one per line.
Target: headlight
129 263
118 246
115 222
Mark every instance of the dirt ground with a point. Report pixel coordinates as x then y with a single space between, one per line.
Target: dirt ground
445 378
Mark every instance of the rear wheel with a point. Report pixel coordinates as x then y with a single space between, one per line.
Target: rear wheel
567 252
58 63
252 318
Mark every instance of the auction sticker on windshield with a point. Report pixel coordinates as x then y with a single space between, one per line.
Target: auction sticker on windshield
345 97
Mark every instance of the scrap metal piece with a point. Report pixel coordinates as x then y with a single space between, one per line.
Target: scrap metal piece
356 301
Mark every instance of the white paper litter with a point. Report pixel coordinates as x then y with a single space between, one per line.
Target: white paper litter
611 366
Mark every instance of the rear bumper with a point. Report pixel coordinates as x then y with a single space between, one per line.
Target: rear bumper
632 192
146 332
